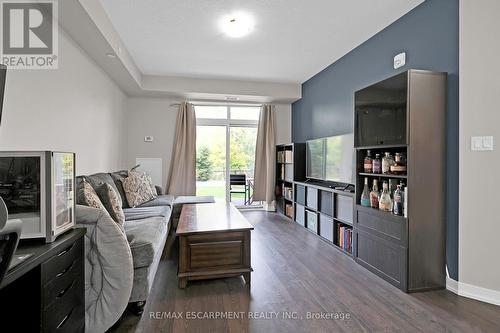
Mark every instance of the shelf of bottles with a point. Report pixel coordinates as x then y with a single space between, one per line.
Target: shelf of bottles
382 179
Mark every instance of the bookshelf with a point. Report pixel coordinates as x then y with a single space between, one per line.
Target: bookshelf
404 114
290 166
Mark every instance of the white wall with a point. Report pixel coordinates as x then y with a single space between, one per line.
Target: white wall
76 108
479 221
283 123
157 116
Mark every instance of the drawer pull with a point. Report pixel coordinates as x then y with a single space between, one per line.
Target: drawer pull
64 291
63 252
65 319
64 271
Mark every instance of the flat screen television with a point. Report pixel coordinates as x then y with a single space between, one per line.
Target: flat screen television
331 159
3 72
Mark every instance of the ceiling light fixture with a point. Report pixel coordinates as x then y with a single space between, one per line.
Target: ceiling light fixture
111 55
236 25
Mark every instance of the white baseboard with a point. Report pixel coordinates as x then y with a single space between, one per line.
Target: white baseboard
269 207
474 292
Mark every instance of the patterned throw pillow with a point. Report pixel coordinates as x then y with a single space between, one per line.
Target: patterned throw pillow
137 189
112 201
88 197
147 177
150 182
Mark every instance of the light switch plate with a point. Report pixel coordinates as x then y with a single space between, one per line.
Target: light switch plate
481 143
148 138
400 60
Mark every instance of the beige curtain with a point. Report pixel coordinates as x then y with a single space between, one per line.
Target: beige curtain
182 176
265 156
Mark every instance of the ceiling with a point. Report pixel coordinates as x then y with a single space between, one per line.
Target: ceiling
292 39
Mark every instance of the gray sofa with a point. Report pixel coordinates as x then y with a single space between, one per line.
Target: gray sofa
146 229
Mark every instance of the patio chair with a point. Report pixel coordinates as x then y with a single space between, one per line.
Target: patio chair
239 180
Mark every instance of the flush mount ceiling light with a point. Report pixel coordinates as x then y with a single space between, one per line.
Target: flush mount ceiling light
236 25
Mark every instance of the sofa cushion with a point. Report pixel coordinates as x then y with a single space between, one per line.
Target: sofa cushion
146 212
161 200
182 200
146 238
111 201
98 178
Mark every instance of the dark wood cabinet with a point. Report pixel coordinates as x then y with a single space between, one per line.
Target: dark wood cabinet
404 114
46 292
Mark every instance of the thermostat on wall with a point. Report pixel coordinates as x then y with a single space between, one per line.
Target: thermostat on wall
148 138
400 60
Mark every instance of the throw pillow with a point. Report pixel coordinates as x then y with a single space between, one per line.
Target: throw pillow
147 177
150 182
112 201
88 197
118 177
137 189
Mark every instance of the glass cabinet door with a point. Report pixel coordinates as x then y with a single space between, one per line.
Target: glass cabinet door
63 191
381 113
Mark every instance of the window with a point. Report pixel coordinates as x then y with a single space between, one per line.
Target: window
245 113
236 114
211 112
225 145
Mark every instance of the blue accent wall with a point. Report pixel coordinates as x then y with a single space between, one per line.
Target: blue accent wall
429 36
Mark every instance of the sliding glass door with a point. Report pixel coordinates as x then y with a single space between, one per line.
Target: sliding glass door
211 161
225 152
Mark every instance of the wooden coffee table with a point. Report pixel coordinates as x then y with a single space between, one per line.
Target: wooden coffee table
214 242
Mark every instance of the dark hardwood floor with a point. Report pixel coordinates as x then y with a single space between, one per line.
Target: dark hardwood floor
295 273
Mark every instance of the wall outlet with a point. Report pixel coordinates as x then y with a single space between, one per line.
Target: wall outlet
149 138
481 143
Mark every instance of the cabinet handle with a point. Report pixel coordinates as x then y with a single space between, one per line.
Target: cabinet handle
64 291
63 252
64 271
64 320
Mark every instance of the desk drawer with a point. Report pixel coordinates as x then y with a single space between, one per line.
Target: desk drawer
62 262
63 283
66 314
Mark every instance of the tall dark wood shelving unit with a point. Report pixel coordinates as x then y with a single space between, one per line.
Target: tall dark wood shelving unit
289 168
409 252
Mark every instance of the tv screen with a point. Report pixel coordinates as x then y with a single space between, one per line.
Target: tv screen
339 158
3 72
315 160
331 159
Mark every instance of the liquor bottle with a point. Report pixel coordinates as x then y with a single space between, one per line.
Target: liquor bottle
393 183
374 195
365 196
385 202
398 202
387 162
367 164
399 166
376 164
